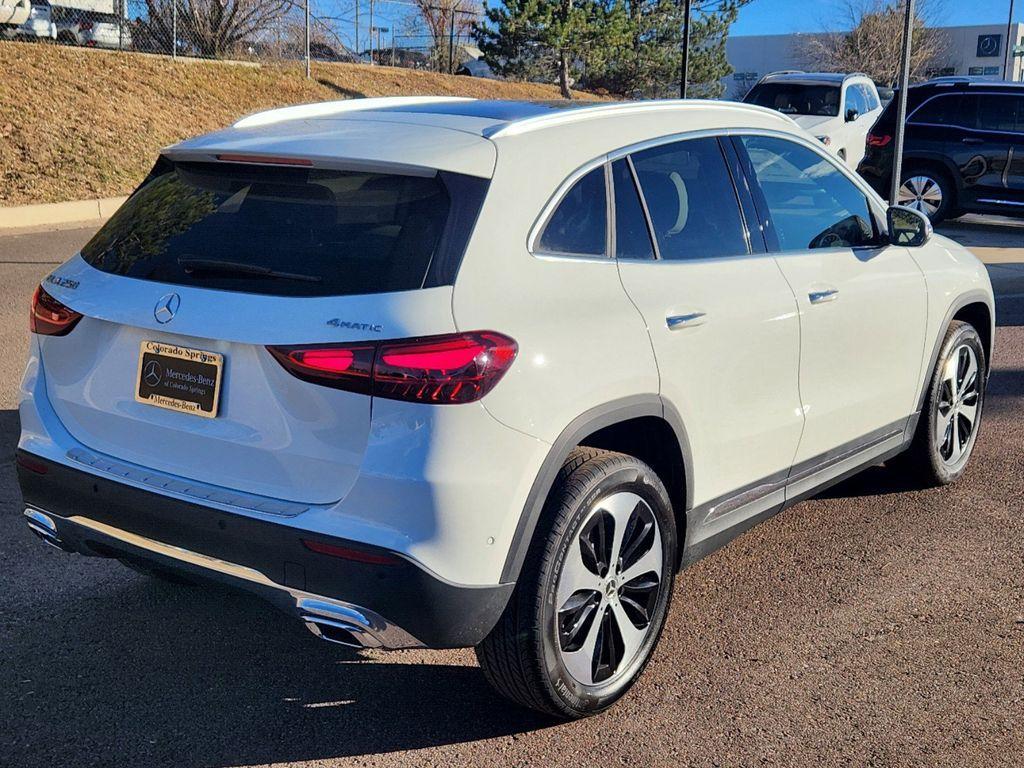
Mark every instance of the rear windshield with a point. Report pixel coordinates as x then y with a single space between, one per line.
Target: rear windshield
290 231
796 98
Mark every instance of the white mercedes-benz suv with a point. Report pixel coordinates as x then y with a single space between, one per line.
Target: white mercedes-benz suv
451 373
837 109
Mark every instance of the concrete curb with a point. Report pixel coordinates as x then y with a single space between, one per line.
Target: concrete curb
55 214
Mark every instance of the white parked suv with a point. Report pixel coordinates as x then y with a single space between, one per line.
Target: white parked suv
39 24
449 373
837 109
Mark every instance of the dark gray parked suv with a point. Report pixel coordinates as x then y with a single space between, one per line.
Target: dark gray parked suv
963 151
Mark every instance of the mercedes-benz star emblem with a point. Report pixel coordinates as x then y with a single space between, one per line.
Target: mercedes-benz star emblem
153 373
167 308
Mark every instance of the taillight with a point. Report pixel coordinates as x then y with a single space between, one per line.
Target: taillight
344 367
878 139
49 317
457 368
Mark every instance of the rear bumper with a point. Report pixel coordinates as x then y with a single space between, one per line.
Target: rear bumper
387 602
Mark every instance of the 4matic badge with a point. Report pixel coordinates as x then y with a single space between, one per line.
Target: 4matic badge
338 323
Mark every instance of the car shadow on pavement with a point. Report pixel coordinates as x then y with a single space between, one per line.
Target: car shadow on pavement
121 669
146 673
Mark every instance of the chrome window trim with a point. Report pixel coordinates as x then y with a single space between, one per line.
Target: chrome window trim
875 203
541 222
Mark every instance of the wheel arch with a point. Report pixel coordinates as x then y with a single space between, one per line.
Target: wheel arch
974 307
643 426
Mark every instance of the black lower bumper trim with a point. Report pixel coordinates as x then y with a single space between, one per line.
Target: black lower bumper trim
438 614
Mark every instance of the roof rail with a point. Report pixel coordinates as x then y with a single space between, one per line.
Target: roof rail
785 72
599 109
326 108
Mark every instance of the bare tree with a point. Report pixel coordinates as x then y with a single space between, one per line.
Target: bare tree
874 43
214 27
437 17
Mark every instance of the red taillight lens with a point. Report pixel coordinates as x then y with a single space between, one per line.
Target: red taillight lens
344 367
458 368
49 317
878 139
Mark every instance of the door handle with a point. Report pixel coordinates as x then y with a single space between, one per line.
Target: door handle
820 297
689 320
972 140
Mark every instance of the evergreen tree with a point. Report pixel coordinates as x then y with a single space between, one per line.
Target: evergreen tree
629 47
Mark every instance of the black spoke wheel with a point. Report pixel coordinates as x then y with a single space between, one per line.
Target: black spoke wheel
608 588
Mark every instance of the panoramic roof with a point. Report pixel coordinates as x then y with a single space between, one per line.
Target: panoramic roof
505 110
808 77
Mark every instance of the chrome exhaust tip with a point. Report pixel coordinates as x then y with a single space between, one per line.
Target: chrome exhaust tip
338 624
42 525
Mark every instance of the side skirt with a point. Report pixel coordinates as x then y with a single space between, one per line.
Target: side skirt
714 524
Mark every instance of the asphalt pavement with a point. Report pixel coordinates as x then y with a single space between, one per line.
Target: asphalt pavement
880 624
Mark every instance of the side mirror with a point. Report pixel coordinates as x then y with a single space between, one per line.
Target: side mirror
908 227
851 115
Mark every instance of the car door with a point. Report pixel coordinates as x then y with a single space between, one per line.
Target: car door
862 302
979 144
860 127
854 129
1015 161
722 320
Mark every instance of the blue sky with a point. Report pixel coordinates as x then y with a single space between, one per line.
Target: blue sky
767 17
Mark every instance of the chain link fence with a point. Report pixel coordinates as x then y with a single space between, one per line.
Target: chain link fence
399 33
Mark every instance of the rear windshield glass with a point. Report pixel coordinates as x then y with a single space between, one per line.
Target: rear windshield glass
289 231
797 98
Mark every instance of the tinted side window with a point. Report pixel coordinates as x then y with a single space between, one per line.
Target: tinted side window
632 238
997 112
691 200
942 110
579 224
811 203
869 98
855 100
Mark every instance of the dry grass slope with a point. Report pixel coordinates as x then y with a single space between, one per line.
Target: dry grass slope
79 124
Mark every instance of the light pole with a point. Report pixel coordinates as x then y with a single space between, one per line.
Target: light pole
1009 46
684 73
308 73
901 103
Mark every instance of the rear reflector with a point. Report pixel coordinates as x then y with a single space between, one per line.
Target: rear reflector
878 140
32 465
265 160
49 317
347 553
457 368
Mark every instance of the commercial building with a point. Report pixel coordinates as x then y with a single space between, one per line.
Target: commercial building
972 50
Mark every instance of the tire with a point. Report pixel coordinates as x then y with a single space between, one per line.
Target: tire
928 191
562 647
933 457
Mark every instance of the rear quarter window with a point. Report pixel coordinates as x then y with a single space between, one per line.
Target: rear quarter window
290 231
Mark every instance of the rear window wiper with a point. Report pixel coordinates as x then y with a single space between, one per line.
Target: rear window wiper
223 266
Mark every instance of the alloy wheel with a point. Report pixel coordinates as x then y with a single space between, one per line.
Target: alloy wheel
608 589
956 417
922 193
